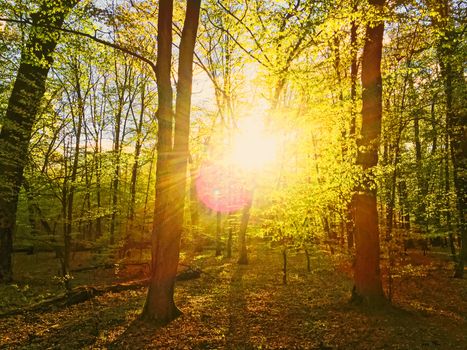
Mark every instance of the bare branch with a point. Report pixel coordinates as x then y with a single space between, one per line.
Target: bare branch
89 36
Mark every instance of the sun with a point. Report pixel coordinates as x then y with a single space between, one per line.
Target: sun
225 183
252 148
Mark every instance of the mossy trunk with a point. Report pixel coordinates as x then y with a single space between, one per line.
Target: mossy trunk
22 109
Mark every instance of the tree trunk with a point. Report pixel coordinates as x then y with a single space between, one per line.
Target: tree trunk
98 165
148 185
447 189
367 277
243 259
32 215
229 242
353 74
23 105
392 194
68 227
349 226
194 209
116 175
137 152
171 163
422 182
284 266
452 73
85 224
160 306
218 233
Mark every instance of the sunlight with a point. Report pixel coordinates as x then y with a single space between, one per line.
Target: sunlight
252 148
225 184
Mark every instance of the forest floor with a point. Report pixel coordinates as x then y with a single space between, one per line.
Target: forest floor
248 307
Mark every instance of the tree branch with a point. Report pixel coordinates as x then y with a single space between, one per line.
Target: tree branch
89 36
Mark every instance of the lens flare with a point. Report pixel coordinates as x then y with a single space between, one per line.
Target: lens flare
226 183
222 188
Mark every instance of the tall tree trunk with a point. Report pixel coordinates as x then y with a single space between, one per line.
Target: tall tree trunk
85 224
98 166
456 114
148 185
218 233
64 201
229 240
397 155
121 119
353 73
172 162
68 227
194 207
137 152
116 175
393 183
353 116
23 105
32 215
243 259
422 185
98 126
160 306
447 189
344 142
367 277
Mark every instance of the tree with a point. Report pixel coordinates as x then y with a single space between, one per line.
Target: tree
23 106
452 74
171 161
367 278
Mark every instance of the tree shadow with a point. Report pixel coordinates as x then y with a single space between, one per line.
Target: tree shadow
238 333
76 334
135 333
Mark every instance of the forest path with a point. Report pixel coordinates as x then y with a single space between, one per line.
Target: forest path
248 307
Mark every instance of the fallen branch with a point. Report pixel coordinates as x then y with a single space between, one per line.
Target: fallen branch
107 266
76 296
84 293
189 274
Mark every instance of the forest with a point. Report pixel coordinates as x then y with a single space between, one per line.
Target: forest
233 174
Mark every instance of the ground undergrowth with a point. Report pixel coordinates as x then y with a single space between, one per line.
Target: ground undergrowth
248 307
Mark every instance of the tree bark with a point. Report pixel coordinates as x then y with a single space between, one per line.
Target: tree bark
243 259
160 306
23 106
367 277
171 162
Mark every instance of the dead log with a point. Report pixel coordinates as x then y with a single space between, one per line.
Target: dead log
95 267
84 293
29 250
189 274
107 266
76 296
